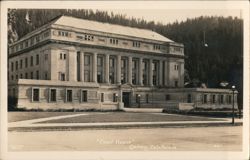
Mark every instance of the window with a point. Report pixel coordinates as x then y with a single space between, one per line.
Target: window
69 95
84 96
99 77
167 97
61 76
61 56
229 99
21 46
86 76
37 74
26 75
37 59
157 47
189 98
147 98
136 44
221 99
46 76
16 65
46 34
64 56
37 39
86 60
26 43
176 83
112 77
99 61
52 95
46 57
204 99
21 64
111 62
12 77
213 98
35 95
32 41
31 61
63 33
26 62
31 75
21 75
12 66
113 41
16 77
102 97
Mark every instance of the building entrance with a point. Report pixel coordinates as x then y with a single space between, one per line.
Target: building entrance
126 99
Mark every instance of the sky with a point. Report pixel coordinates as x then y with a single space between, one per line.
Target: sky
169 16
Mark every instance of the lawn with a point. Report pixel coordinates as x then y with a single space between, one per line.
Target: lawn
21 116
127 117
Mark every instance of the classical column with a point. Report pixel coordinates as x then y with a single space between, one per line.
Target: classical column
82 66
107 68
94 67
166 66
160 72
130 70
118 69
72 68
181 74
150 72
140 75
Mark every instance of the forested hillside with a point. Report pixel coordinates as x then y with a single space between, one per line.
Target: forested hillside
213 45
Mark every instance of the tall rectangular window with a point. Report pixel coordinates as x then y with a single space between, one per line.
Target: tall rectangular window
21 64
52 95
221 99
12 66
31 75
26 75
35 95
16 65
37 74
31 61
26 62
213 98
61 76
86 76
204 98
147 98
69 95
46 57
86 60
37 59
84 96
102 97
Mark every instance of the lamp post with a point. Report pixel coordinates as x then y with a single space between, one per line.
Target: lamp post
139 100
233 89
116 97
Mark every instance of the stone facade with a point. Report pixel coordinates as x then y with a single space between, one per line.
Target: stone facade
68 63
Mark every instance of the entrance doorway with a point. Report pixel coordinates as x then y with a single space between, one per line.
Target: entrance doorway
126 99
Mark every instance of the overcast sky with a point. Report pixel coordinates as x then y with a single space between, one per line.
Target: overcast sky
169 16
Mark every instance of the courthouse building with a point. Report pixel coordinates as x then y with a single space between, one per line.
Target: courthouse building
82 64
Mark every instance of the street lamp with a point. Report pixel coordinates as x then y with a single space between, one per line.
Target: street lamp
116 97
233 89
139 100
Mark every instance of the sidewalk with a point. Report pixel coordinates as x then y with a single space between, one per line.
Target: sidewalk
35 124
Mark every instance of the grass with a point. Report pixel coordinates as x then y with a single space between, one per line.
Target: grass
21 116
126 117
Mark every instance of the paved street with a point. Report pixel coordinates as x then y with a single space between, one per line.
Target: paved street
153 139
